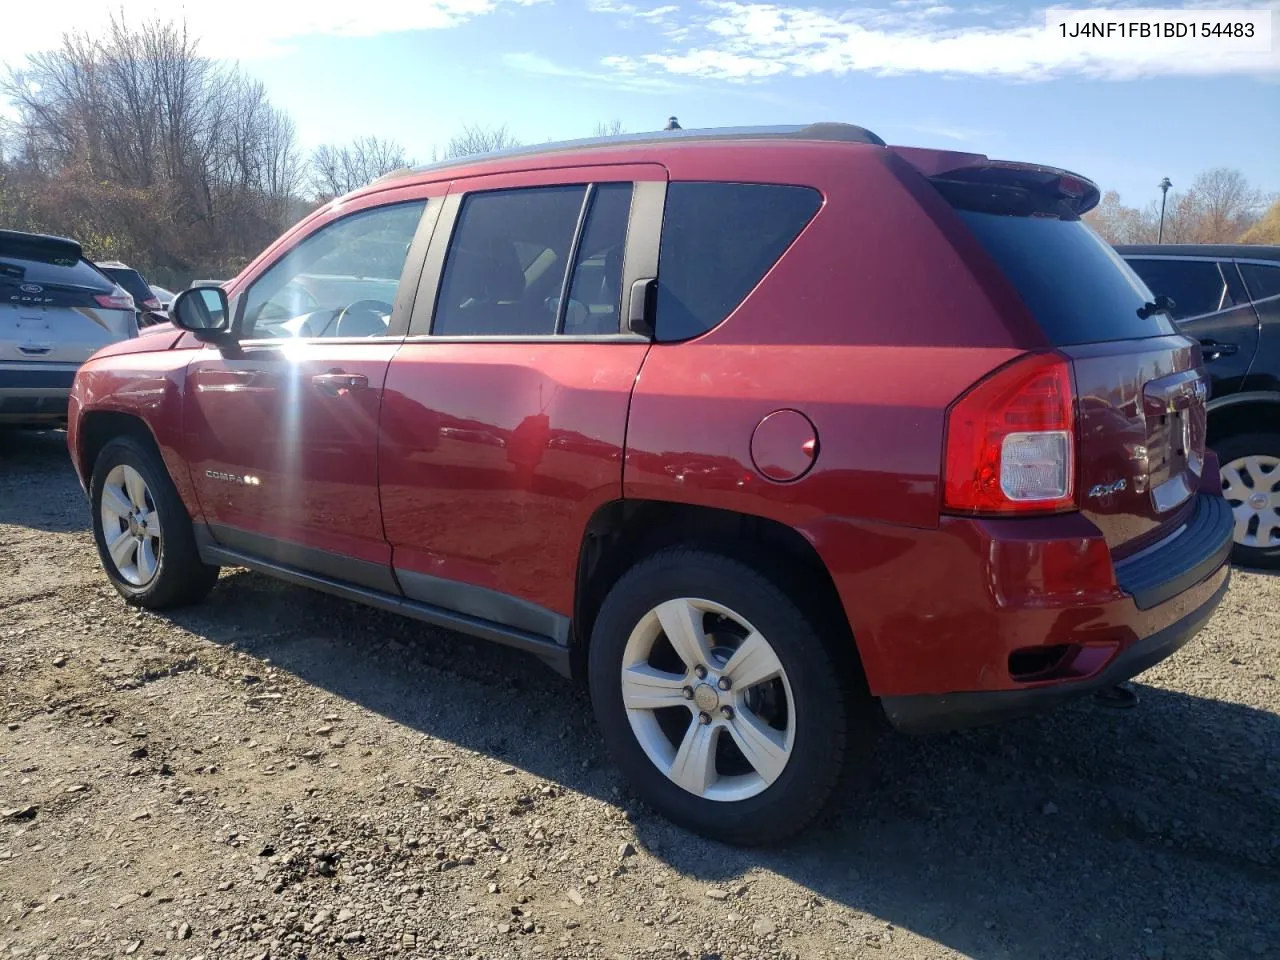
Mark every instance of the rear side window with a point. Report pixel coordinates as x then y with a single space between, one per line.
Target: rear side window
1076 286
507 262
1263 281
1196 287
46 271
718 241
132 281
595 296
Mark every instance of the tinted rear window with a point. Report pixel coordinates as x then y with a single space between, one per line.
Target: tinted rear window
1262 280
1077 287
44 271
1196 287
718 240
131 280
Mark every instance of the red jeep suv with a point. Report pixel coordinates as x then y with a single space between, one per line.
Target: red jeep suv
754 429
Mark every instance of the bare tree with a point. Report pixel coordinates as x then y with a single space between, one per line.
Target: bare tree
612 128
479 139
1219 207
1117 223
338 170
140 147
1227 204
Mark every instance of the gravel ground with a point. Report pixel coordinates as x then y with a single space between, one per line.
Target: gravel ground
280 774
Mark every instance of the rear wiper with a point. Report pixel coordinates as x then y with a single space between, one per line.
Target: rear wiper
1160 304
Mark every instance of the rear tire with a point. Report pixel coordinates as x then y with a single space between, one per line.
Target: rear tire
751 764
142 529
1251 483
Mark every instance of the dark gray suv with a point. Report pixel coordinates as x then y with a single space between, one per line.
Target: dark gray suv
1228 297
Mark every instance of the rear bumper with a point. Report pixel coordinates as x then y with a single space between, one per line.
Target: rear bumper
952 711
983 619
35 392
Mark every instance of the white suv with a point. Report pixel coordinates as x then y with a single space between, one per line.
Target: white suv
56 309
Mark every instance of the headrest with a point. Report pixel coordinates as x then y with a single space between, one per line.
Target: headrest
489 272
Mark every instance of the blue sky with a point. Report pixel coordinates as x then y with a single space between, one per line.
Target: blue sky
981 77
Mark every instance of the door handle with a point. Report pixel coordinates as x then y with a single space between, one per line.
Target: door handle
338 384
1211 350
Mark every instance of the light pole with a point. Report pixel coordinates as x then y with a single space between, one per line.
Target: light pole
1165 184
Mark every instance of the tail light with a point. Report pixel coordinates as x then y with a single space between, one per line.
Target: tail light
1011 441
151 303
118 299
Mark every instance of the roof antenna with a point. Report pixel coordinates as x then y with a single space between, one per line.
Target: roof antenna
672 124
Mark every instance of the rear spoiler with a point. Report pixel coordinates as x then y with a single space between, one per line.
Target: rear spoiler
971 181
37 246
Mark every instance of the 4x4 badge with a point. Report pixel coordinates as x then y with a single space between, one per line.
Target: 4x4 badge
1106 489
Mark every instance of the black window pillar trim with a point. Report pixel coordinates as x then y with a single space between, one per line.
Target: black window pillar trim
424 304
414 264
571 261
640 263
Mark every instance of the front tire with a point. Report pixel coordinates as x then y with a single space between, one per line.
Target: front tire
142 530
718 698
1251 483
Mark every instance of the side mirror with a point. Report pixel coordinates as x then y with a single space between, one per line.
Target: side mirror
203 311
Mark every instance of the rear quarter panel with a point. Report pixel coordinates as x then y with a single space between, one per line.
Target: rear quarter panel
870 325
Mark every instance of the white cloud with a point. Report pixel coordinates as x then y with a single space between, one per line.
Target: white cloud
631 10
240 29
621 76
746 41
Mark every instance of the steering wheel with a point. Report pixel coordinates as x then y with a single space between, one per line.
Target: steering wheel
363 318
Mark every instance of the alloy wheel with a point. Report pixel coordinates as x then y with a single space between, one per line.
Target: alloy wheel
130 525
708 699
1252 487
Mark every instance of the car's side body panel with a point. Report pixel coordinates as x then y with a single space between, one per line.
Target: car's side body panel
496 451
275 454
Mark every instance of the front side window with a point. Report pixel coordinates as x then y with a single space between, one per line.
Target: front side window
1196 287
341 281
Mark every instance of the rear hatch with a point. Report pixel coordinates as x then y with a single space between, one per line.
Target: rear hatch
1139 388
54 305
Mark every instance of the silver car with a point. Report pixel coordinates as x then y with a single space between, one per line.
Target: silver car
56 309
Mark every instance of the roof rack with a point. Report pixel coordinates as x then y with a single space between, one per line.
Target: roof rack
830 132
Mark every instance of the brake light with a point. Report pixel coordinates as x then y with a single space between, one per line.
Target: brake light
151 303
1011 440
117 299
